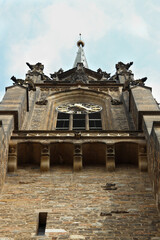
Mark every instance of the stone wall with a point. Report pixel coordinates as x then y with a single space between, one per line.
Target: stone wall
146 115
152 132
12 111
79 205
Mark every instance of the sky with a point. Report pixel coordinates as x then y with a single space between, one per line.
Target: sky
47 31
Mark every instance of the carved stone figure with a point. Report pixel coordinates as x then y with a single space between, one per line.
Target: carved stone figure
105 74
42 102
99 70
139 82
22 82
132 82
17 81
122 67
79 76
38 67
115 102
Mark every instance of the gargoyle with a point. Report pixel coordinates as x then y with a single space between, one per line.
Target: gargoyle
106 75
139 82
38 67
54 75
122 67
99 70
22 82
17 81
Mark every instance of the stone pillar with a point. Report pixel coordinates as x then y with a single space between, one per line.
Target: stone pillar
142 158
110 157
45 157
12 158
77 157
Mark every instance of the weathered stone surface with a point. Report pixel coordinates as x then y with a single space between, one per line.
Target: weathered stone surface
75 201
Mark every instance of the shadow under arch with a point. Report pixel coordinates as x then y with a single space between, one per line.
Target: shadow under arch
126 153
94 154
29 153
61 154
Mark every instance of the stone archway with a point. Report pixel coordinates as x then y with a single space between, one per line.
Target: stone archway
126 153
61 154
94 154
29 153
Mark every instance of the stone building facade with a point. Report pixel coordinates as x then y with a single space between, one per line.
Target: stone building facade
80 155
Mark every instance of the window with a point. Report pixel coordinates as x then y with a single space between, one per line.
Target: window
95 121
42 223
88 121
79 122
63 121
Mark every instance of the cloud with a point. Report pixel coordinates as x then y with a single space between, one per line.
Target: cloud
59 26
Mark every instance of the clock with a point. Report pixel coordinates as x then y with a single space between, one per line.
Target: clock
79 108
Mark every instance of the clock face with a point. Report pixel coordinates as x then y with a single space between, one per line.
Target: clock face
79 108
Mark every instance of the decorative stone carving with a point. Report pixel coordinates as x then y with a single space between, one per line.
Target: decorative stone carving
99 70
110 157
77 134
54 75
45 157
114 77
77 157
12 158
79 76
105 75
132 82
138 82
115 102
38 67
142 158
122 67
113 89
42 102
22 82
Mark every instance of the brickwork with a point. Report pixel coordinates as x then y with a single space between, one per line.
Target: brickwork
91 204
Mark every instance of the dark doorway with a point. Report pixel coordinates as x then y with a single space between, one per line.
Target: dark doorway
126 153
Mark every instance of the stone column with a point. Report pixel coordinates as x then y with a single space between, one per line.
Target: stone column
45 157
142 158
77 157
110 157
12 158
